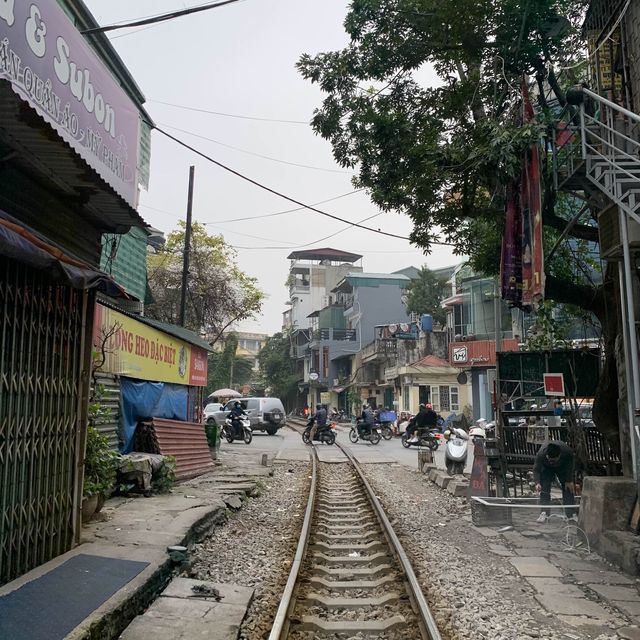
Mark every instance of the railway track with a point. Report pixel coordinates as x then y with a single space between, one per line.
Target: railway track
350 576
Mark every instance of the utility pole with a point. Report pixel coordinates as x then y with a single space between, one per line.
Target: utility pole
187 249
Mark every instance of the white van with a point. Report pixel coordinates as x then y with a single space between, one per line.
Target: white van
265 414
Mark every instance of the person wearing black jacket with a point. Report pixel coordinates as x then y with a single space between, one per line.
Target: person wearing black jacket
554 460
426 418
319 421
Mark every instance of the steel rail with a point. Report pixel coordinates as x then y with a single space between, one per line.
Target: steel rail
281 621
280 627
424 613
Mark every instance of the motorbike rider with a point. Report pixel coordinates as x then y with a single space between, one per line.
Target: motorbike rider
367 420
237 412
426 418
319 421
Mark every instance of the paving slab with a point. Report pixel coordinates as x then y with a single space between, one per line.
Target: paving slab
601 577
536 567
631 608
616 592
532 551
500 550
629 633
553 586
591 626
487 532
572 606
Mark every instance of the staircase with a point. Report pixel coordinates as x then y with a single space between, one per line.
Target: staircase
611 152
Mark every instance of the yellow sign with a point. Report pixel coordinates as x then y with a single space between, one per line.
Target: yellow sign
325 397
136 350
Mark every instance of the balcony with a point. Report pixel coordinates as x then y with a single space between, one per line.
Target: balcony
299 288
333 335
380 349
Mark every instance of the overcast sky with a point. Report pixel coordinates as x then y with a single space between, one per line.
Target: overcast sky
240 59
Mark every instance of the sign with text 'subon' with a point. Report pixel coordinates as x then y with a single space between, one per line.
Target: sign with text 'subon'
52 68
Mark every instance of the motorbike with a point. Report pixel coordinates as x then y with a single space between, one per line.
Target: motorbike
230 431
339 416
326 434
429 438
455 451
386 429
357 433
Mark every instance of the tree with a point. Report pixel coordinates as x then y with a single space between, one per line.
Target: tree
219 293
278 369
445 155
226 369
426 294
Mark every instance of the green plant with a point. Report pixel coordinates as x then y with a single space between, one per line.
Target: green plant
166 477
100 464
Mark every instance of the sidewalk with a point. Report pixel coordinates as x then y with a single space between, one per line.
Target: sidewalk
130 529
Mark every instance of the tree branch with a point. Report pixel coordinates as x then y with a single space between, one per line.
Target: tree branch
580 231
580 295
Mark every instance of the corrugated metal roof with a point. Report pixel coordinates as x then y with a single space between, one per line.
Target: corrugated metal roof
42 152
186 442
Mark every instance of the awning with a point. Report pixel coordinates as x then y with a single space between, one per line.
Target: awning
21 243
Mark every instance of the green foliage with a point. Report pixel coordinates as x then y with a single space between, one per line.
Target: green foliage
426 294
100 461
550 331
278 369
443 151
353 401
226 369
164 480
219 292
100 464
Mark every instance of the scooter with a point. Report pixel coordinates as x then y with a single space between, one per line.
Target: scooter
326 434
357 433
479 430
230 433
429 438
386 429
455 451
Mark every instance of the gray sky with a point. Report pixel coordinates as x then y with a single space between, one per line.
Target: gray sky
240 60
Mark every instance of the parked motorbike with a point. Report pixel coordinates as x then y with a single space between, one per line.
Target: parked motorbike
386 429
358 432
326 434
478 431
455 451
429 438
242 429
339 416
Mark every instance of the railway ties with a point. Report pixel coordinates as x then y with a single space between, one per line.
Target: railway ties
350 576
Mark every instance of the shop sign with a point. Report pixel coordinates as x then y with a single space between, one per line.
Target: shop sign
325 397
553 384
459 355
50 65
136 350
478 353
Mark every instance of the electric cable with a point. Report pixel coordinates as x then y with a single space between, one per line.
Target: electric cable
228 115
264 215
278 193
159 18
253 153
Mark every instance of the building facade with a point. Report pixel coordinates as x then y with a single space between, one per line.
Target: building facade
74 158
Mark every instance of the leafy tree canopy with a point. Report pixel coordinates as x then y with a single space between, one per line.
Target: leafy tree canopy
278 369
443 151
219 292
426 294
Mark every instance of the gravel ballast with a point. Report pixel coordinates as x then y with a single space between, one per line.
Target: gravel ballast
473 594
257 544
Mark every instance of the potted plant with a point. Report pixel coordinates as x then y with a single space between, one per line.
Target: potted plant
100 464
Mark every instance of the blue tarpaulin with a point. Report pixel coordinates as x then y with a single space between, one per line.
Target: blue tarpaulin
387 416
144 400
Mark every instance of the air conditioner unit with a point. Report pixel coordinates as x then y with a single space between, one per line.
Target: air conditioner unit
609 232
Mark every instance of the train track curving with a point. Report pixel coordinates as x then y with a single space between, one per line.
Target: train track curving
350 575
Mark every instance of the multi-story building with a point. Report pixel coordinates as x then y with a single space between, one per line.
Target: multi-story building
249 346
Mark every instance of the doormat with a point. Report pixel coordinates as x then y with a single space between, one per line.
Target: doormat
50 607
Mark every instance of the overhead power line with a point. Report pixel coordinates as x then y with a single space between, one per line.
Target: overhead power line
253 153
229 115
264 215
278 193
282 195
163 17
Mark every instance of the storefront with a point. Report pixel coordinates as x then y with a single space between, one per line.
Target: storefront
69 168
161 369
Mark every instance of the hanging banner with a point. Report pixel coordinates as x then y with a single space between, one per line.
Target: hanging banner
511 254
51 67
531 201
136 350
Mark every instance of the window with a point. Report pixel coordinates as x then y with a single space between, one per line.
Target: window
406 398
445 398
